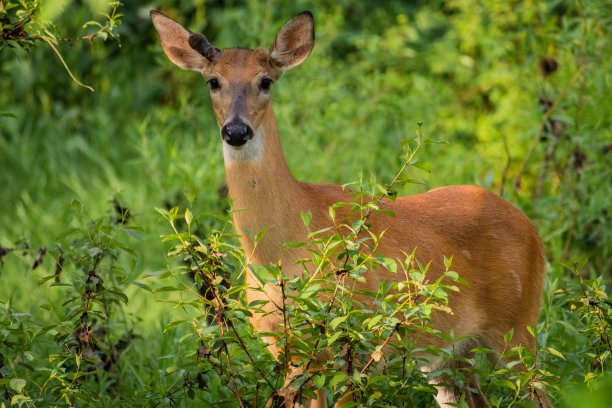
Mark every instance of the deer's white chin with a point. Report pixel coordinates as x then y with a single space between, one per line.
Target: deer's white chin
250 151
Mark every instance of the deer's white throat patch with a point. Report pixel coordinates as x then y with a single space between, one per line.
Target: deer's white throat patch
251 151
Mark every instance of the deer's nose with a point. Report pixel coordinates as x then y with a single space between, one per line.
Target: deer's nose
236 133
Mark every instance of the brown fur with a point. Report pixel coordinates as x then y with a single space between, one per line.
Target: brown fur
493 245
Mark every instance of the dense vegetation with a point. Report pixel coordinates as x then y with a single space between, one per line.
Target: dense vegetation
92 311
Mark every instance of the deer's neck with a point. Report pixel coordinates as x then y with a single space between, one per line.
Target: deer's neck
264 194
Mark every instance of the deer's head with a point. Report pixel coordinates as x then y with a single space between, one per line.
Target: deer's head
240 80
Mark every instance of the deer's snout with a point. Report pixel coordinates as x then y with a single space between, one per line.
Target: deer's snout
236 133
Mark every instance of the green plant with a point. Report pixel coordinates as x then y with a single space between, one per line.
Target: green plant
357 346
75 353
479 73
23 24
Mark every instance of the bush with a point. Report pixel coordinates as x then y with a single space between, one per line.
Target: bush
520 90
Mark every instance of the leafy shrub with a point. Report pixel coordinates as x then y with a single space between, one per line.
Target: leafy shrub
355 345
72 355
520 90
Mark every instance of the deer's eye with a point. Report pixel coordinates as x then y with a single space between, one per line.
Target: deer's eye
265 84
214 84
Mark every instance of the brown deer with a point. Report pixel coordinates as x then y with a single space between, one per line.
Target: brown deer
493 245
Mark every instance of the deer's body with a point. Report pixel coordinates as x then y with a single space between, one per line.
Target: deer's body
494 246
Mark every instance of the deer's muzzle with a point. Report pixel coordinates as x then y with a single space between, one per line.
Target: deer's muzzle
236 133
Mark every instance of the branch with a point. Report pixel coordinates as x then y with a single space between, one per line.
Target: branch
48 41
372 359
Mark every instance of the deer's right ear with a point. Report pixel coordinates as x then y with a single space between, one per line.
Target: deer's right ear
294 41
187 50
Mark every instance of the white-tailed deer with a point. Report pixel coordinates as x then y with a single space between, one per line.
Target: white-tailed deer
493 245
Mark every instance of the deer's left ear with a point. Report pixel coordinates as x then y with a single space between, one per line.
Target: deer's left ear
185 49
294 41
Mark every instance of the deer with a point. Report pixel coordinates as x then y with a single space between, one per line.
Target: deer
494 246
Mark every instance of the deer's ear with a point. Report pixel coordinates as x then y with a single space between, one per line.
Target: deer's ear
187 50
294 41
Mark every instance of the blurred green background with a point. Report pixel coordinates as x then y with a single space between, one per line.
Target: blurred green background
518 90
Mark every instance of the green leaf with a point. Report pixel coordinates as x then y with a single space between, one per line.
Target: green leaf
439 372
555 352
507 384
381 189
94 251
332 213
508 336
188 216
318 232
167 289
532 331
417 276
318 381
122 296
297 244
338 320
452 275
143 286
18 384
263 274
332 339
337 378
190 194
387 213
447 262
374 321
76 205
133 234
409 180
257 303
426 167
306 217
175 324
162 211
310 291
18 399
260 234
173 213
389 264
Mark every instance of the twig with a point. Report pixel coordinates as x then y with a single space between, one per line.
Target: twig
331 303
368 212
364 218
285 324
243 346
229 368
220 315
371 360
59 56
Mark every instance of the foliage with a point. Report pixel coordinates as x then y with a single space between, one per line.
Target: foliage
21 25
519 90
356 345
64 360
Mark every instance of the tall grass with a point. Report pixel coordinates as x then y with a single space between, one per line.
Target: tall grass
519 94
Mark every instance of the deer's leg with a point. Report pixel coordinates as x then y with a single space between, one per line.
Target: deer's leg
290 397
447 394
